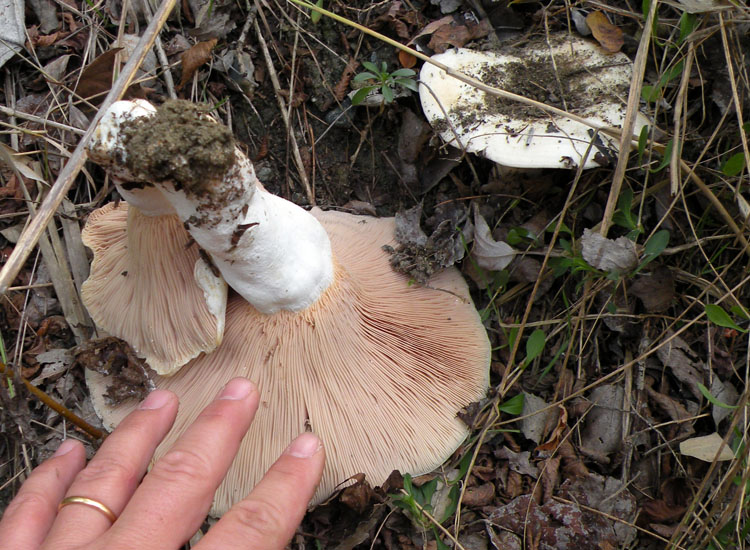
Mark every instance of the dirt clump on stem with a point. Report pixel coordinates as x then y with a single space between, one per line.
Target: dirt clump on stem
179 143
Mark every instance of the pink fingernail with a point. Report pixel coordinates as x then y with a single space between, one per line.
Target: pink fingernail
236 389
65 447
155 400
305 446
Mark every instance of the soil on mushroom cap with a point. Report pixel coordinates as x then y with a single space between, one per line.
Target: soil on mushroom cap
181 144
563 84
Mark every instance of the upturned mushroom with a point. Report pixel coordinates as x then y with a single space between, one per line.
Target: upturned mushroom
147 285
564 71
336 341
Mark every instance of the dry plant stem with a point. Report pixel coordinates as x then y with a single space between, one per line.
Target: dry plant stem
735 96
54 405
39 120
282 106
626 138
478 84
716 498
67 175
713 199
678 133
509 379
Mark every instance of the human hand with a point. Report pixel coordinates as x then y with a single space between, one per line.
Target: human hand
167 507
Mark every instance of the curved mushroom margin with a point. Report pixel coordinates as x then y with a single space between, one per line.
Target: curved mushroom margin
149 288
377 368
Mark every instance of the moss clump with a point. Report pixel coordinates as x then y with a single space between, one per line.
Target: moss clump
180 144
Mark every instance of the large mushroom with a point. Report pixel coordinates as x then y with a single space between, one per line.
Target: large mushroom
565 71
148 285
337 342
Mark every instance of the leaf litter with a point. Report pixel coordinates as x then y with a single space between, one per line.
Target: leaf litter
624 355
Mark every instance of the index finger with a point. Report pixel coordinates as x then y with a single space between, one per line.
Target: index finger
175 495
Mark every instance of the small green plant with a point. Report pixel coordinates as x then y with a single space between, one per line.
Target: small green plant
382 80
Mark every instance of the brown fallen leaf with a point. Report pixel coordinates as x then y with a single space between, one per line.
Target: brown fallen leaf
479 496
655 290
554 438
406 59
342 87
608 35
96 79
193 58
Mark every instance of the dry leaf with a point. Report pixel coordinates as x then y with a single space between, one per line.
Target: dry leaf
96 79
655 290
684 364
342 88
193 58
609 36
603 424
489 253
406 59
535 417
705 448
12 28
617 255
554 438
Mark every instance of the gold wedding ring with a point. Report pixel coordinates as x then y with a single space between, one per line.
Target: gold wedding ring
90 502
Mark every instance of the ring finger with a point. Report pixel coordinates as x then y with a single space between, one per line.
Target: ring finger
113 474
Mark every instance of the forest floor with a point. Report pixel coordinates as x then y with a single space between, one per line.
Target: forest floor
615 298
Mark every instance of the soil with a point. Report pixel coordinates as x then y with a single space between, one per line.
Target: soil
179 143
597 377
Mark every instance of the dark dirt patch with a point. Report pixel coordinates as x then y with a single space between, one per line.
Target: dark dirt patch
179 143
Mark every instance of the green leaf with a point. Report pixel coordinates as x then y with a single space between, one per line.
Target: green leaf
642 142
371 67
359 77
667 157
713 400
535 345
653 247
513 406
407 83
656 244
688 23
403 73
653 93
718 316
648 92
360 95
740 312
407 484
387 93
316 15
734 165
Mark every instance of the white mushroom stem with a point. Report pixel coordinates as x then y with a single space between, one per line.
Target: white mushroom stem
272 252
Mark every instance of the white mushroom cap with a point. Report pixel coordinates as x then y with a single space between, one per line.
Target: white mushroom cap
148 287
376 367
593 84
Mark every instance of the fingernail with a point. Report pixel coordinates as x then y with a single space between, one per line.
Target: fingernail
155 400
305 446
65 447
236 389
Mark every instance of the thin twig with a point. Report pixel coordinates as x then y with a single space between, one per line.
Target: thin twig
634 97
54 405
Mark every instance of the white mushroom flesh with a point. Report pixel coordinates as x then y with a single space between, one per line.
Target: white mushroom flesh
571 73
